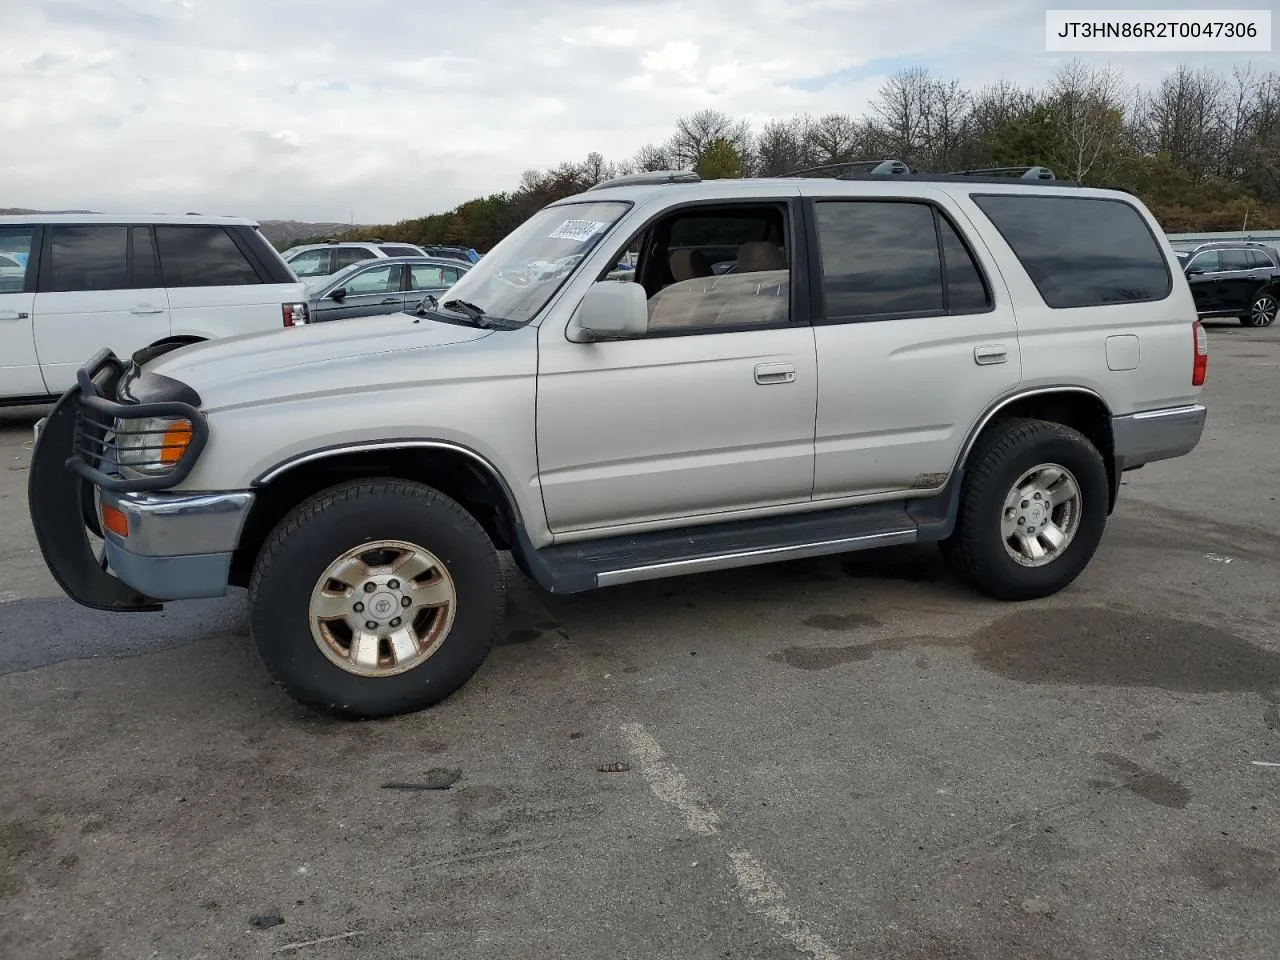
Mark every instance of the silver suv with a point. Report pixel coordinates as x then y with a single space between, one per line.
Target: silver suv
894 358
323 259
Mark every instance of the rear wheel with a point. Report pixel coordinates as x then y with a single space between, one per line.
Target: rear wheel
376 598
1032 510
1262 312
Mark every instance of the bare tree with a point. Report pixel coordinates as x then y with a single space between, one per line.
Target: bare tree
832 139
1239 109
1090 105
779 148
946 121
898 113
1185 117
695 132
652 157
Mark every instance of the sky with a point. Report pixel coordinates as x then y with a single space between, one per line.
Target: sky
380 110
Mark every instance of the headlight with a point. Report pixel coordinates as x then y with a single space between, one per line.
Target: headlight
152 445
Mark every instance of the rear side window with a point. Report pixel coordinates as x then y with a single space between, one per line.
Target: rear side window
85 258
893 259
344 257
202 257
1081 251
1236 260
312 263
1259 259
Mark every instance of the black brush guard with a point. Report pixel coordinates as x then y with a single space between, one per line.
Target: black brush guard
66 463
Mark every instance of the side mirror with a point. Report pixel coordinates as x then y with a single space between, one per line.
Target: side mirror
429 302
1193 271
339 295
611 310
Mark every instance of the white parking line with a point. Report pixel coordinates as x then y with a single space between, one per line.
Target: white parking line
669 784
760 893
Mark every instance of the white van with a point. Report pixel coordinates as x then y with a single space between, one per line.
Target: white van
71 284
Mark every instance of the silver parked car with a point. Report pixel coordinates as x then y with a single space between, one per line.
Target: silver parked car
323 259
374 287
896 358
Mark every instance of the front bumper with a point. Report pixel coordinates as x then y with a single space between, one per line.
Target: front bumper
169 546
1152 435
179 546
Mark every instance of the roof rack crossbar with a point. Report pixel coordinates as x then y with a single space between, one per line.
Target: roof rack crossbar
878 167
1025 173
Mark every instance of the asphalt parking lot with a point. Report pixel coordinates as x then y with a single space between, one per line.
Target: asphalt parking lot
846 758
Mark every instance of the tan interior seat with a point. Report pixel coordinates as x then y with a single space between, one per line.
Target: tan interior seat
757 255
687 264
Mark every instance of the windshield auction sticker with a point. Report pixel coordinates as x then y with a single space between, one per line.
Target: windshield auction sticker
580 230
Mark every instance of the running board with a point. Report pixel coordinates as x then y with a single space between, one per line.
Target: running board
588 564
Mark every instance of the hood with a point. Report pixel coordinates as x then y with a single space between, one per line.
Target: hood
258 367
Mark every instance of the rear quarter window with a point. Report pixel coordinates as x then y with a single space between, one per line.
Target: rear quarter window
1081 251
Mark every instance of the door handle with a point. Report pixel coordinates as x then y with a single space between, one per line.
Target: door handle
990 354
393 300
144 309
767 373
11 317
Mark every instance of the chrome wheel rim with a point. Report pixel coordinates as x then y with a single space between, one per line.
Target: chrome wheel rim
1264 311
382 608
1041 515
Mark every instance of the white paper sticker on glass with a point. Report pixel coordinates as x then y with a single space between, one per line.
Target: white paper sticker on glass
580 230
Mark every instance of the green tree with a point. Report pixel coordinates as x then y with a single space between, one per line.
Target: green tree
719 160
1029 141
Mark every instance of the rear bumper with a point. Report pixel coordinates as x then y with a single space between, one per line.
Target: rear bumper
1152 435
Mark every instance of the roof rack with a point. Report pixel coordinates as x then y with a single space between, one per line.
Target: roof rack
1230 243
649 177
1025 173
878 168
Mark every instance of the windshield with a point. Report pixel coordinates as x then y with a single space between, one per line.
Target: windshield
517 277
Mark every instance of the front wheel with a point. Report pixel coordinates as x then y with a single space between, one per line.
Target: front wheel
1032 510
376 598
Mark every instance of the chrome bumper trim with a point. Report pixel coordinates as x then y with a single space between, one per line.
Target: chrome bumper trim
1152 435
180 525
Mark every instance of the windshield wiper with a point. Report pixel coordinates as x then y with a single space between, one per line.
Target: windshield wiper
470 310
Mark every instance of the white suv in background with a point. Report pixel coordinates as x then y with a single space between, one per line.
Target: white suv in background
326 259
71 284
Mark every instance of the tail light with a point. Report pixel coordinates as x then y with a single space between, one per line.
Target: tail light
295 314
1202 354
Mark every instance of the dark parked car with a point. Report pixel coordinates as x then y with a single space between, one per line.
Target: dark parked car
465 254
1234 279
388 285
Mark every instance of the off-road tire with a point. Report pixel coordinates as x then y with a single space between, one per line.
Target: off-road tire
320 530
1002 455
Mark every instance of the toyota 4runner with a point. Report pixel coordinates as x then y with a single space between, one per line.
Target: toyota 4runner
797 366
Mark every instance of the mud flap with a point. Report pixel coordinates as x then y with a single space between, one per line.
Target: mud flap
60 501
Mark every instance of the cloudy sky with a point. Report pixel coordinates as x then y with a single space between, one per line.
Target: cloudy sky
385 109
